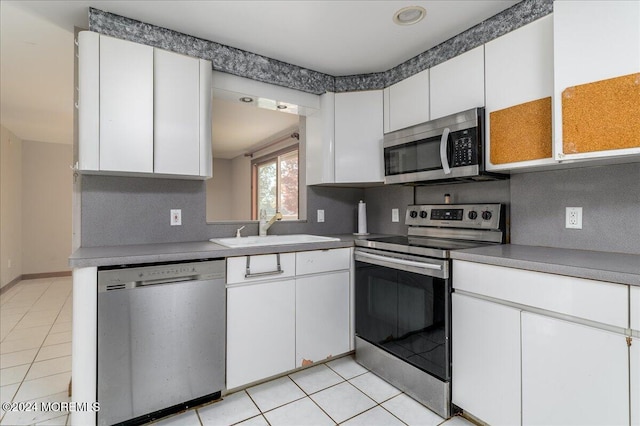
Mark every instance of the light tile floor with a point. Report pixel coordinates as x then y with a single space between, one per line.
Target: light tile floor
35 365
338 392
35 348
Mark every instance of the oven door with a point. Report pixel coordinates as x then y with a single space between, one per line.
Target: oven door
403 307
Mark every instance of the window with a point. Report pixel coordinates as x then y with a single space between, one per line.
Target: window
275 184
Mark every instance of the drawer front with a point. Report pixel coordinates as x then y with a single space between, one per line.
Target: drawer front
261 267
635 308
598 301
313 262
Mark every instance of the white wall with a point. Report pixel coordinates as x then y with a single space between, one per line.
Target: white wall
219 191
241 192
10 206
47 182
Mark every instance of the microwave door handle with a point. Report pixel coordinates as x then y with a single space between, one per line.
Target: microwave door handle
443 151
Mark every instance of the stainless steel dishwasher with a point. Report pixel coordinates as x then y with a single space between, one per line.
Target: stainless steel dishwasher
161 339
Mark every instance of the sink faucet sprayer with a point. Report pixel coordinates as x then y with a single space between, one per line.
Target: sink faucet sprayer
264 225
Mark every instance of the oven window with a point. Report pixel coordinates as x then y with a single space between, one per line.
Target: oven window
405 314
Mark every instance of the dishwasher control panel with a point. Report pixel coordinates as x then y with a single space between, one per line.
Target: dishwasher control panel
128 277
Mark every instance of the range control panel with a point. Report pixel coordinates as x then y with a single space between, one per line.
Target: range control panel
478 216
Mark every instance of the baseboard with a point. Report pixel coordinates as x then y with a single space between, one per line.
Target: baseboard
46 275
11 283
23 277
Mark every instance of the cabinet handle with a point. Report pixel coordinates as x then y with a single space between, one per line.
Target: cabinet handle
278 270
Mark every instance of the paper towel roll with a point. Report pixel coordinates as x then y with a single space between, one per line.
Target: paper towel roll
362 218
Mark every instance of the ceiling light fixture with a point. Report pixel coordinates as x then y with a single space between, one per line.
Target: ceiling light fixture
281 106
246 99
409 15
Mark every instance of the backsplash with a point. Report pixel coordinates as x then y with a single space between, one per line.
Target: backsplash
608 195
250 65
125 211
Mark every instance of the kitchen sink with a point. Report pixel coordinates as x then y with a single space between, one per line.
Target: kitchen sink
271 240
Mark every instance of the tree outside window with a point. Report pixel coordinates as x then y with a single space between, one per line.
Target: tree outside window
275 183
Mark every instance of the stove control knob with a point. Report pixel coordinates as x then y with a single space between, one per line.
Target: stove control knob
423 214
473 215
413 214
486 215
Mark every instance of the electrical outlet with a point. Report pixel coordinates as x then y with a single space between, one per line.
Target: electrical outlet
320 216
176 217
574 218
395 215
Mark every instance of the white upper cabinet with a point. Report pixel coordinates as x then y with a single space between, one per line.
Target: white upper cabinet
176 119
142 110
321 142
406 103
126 106
344 139
596 78
182 99
457 84
519 90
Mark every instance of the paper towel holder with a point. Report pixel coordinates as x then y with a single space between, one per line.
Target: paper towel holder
362 211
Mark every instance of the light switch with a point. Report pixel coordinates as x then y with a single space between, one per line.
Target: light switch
320 216
395 215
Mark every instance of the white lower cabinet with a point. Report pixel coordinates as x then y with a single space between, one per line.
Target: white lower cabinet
260 331
486 359
634 363
322 317
573 374
634 354
535 348
290 319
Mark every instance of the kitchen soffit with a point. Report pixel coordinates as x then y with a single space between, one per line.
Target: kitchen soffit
334 37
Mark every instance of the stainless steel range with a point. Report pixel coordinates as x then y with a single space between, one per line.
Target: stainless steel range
403 296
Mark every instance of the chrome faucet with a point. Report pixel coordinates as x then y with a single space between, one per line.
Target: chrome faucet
264 225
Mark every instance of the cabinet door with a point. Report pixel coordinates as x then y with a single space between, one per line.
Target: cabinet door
457 84
176 118
634 354
519 86
596 41
407 102
260 331
321 142
358 137
486 360
126 106
573 374
322 317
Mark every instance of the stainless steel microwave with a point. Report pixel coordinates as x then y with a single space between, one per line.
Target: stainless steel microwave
447 149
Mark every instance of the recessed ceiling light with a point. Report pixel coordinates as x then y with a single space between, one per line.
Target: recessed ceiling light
409 15
281 106
246 99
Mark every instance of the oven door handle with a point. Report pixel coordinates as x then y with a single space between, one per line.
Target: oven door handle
443 151
400 261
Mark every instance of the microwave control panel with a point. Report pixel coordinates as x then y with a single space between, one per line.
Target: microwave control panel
465 148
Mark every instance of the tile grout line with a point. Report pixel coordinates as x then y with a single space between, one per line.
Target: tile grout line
312 400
